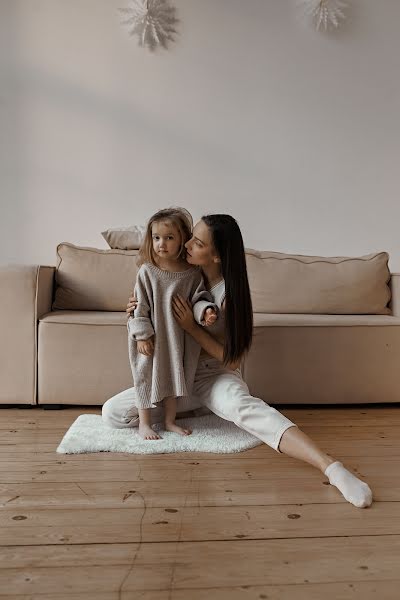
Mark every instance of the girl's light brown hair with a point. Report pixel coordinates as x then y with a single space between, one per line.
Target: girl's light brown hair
180 217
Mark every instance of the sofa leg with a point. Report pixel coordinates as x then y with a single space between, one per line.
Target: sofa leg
52 406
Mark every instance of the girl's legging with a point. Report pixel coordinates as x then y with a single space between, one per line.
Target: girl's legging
222 391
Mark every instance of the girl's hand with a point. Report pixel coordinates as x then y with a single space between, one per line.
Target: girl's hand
183 313
145 347
130 307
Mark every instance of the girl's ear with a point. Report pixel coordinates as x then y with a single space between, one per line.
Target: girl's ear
216 259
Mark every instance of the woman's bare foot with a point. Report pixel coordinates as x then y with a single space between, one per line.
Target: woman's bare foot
147 433
176 429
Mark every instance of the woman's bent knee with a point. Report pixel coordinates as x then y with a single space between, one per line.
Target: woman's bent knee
107 414
120 412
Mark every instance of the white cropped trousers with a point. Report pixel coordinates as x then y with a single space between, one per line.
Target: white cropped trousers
222 391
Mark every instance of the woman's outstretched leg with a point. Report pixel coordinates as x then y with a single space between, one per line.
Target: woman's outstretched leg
227 395
297 444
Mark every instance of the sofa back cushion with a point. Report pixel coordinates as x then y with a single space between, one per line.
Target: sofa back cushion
93 279
289 283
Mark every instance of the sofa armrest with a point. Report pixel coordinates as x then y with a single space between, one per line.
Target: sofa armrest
395 290
26 293
44 290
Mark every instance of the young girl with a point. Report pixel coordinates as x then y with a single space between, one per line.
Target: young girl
163 357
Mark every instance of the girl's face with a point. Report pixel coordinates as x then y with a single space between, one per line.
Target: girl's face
166 240
200 248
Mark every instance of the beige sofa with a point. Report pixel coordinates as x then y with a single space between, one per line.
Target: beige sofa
327 330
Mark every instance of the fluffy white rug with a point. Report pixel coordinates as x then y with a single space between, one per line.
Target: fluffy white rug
88 433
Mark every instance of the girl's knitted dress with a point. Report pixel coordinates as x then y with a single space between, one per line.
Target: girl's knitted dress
170 370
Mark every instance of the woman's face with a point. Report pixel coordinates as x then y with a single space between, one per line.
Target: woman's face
200 248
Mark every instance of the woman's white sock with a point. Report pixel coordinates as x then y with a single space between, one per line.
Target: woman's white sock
353 489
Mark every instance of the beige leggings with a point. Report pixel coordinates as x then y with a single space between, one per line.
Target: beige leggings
222 391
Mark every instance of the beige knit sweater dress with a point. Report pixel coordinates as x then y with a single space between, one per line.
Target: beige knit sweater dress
171 369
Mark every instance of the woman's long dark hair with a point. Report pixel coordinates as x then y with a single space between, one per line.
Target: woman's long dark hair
228 244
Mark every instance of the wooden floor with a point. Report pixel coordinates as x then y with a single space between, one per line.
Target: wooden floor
253 525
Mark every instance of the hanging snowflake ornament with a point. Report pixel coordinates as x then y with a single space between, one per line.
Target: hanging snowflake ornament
153 21
324 12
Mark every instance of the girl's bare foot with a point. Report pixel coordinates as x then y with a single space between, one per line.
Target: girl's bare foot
147 433
176 429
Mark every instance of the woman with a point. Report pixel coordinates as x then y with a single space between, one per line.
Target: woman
217 247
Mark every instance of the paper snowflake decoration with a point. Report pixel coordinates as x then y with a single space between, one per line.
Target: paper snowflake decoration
153 21
324 12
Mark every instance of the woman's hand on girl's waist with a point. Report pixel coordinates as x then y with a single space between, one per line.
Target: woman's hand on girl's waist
130 307
183 313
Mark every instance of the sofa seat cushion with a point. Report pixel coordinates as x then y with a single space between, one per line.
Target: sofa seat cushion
85 317
293 320
89 317
330 360
82 357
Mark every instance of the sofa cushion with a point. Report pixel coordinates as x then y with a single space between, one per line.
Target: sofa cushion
289 283
85 317
93 279
262 320
125 238
102 280
325 365
101 318
82 357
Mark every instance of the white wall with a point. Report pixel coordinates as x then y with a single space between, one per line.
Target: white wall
294 132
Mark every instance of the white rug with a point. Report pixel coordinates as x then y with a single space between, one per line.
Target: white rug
88 433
